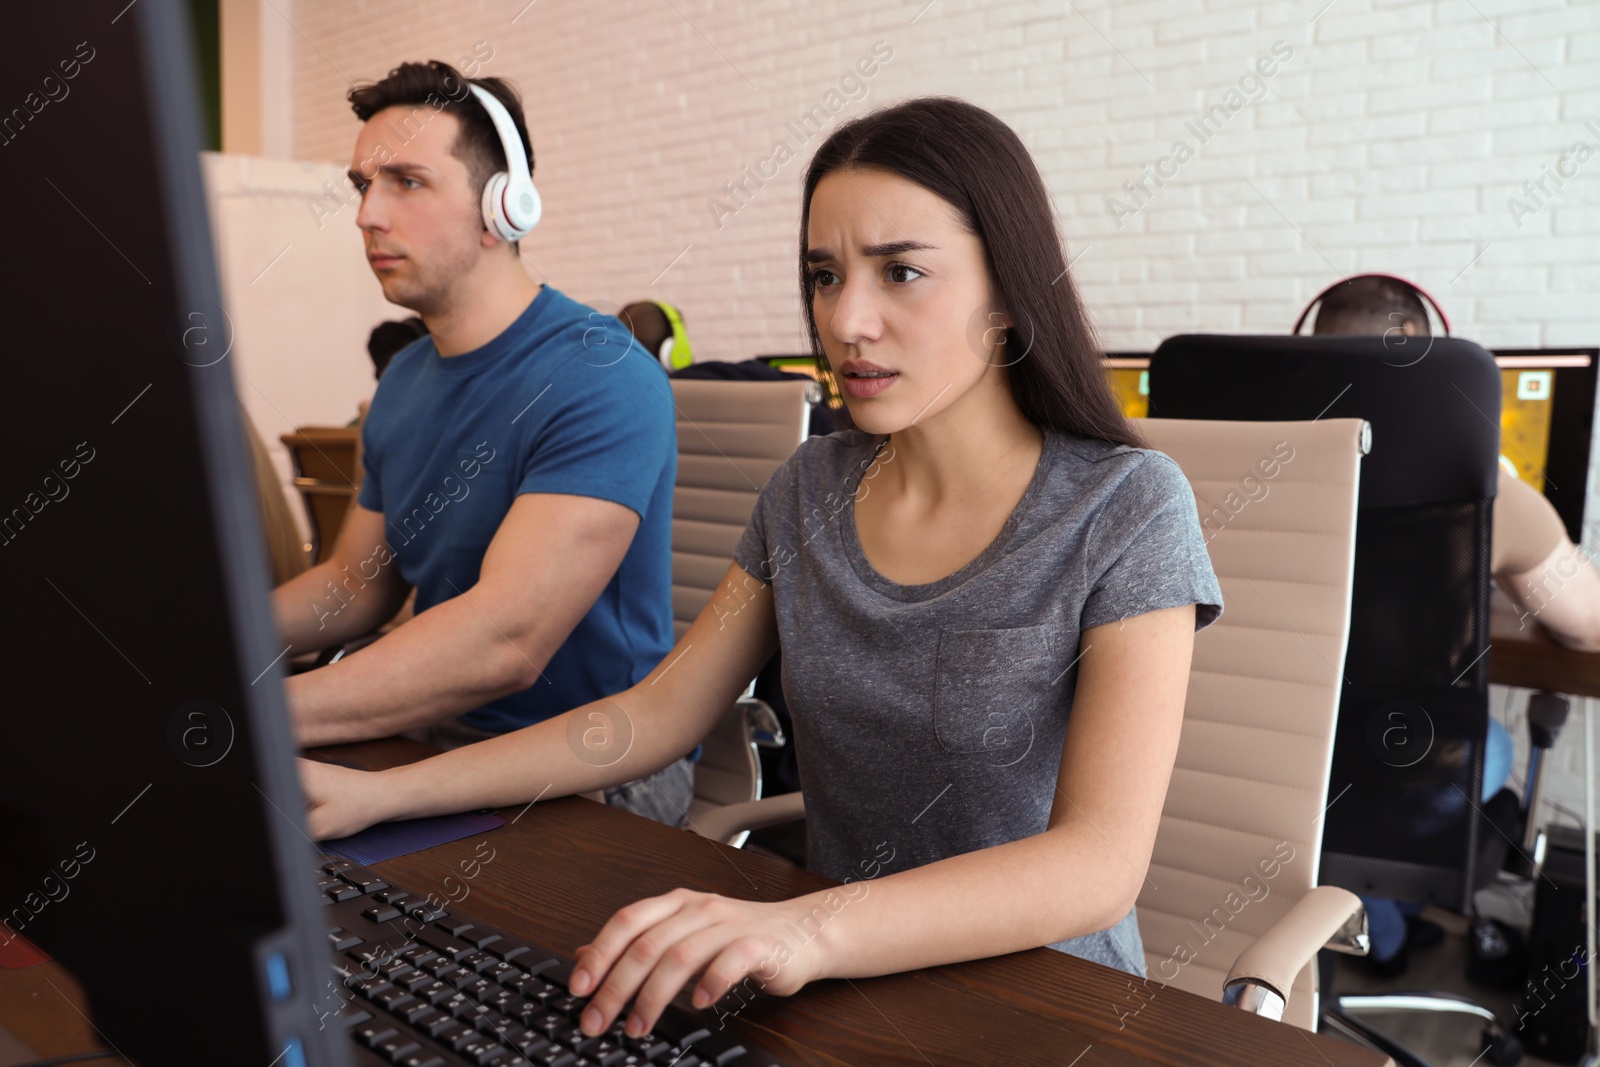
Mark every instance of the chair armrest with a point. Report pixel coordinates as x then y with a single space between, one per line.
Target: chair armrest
729 821
1326 917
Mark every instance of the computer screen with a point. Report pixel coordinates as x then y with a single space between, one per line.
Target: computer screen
152 831
1547 424
1546 417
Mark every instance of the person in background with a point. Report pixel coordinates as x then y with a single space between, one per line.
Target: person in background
383 343
1529 544
649 325
388 338
516 475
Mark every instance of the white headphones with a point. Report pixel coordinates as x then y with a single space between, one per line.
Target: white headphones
511 205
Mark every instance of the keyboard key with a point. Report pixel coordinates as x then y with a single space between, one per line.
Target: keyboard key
449 1035
396 1046
444 943
476 959
500 971
434 1023
481 936
352 1013
453 974
483 1050
535 989
554 1056
415 1010
369 1034
569 1005
415 981
648 1046
478 989
391 896
393 998
369 987
421 1058
343 891
334 866
455 927
382 914
509 949
435 992
342 939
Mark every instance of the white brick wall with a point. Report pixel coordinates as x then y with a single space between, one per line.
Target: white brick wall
1391 140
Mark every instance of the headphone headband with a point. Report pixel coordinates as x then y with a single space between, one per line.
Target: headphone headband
511 204
1426 296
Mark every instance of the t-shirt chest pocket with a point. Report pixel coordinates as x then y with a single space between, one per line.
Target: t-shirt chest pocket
988 688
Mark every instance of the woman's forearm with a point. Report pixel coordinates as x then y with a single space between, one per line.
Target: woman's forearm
595 746
1049 887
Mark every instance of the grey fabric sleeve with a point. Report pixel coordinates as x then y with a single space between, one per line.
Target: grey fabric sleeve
1146 550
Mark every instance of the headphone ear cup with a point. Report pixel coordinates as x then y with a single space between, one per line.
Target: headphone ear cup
664 353
493 217
526 205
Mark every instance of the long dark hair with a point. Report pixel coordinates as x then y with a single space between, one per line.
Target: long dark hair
969 158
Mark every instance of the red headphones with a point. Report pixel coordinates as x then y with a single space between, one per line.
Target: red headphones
1427 299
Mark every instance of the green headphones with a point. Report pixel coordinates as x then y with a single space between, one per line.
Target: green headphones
675 353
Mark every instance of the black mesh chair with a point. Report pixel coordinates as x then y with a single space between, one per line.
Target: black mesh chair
1404 819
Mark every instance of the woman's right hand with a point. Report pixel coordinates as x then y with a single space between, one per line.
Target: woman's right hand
341 801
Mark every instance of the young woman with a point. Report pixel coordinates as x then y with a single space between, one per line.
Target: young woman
986 597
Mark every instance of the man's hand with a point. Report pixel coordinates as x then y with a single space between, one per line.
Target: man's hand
650 949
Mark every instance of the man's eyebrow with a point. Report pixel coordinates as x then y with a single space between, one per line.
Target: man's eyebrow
893 248
401 169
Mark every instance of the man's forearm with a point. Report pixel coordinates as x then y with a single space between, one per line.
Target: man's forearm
324 607
450 659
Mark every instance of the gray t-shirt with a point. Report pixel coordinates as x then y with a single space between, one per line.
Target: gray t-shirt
929 719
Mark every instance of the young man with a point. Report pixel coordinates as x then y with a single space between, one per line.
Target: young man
1529 546
518 466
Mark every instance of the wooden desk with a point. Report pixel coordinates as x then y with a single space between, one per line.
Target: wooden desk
1522 653
561 868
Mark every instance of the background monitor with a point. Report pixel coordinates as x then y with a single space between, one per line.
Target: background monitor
152 830
1546 417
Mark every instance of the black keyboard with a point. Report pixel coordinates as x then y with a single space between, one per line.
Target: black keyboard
420 986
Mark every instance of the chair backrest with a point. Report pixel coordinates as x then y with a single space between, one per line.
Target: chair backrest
1415 705
327 472
1242 825
732 435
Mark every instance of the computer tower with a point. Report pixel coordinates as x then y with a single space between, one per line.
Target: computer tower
1551 1009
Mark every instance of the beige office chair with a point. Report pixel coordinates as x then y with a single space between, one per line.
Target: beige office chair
731 436
1253 763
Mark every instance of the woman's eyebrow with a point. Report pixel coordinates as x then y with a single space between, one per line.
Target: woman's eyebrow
893 248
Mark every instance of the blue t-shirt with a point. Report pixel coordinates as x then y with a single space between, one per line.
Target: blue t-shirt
563 401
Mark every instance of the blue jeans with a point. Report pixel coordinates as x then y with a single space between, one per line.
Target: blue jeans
1386 919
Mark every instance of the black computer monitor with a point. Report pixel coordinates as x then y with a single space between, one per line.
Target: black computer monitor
1546 417
1547 424
152 832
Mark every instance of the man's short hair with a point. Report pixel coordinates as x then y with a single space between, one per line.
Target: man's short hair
1371 305
437 86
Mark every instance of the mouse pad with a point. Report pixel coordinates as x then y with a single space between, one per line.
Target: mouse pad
388 840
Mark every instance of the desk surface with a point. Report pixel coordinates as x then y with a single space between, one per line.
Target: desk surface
1522 653
564 866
